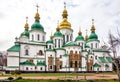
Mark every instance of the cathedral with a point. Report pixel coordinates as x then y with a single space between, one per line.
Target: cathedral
32 53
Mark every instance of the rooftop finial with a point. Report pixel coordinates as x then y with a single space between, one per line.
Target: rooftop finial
93 27
37 17
92 21
79 33
57 26
64 5
51 36
37 7
26 25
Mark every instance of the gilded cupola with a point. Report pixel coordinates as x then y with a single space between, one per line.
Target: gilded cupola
65 23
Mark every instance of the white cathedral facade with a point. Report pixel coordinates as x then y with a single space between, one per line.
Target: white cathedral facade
31 52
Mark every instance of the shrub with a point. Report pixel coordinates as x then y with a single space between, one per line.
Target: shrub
18 78
10 78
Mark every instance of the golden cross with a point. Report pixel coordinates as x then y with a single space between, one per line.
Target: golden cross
86 31
92 21
37 7
26 19
64 5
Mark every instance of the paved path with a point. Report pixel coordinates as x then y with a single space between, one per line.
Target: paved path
95 76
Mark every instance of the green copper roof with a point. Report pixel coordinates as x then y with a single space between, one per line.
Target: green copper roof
12 66
102 59
79 37
93 36
40 63
96 65
27 63
58 33
50 49
15 48
86 46
50 41
71 44
25 33
37 26
65 55
109 59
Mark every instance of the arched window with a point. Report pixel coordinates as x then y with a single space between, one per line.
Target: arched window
26 68
91 45
32 37
75 63
26 52
38 37
41 68
50 46
55 42
67 38
43 38
59 43
70 63
96 45
40 52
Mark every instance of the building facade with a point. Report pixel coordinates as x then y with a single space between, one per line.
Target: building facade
31 51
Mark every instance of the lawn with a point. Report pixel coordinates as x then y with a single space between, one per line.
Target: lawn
30 80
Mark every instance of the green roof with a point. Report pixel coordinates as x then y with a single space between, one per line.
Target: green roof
79 37
96 65
15 48
65 55
41 63
50 41
37 26
28 63
86 46
12 66
50 49
70 44
109 59
102 59
93 36
57 34
59 49
100 50
25 33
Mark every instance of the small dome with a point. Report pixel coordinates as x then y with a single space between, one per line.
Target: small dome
50 41
58 33
37 26
65 24
25 33
93 36
79 37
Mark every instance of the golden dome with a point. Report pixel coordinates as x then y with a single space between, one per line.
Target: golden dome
64 24
37 16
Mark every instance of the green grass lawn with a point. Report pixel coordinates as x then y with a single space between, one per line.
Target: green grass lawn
51 74
30 80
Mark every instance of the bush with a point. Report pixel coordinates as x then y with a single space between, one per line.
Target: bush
18 78
10 78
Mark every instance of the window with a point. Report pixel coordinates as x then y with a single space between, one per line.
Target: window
60 66
26 68
96 57
32 37
71 37
96 45
60 56
70 63
50 67
41 68
91 45
79 43
50 46
38 37
75 63
59 43
55 42
40 52
76 52
43 38
26 52
67 38
64 38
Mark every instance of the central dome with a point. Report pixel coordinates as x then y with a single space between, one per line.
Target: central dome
37 26
65 24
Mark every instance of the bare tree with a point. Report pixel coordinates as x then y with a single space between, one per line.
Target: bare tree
114 42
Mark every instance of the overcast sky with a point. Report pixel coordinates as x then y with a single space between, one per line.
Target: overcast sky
106 14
